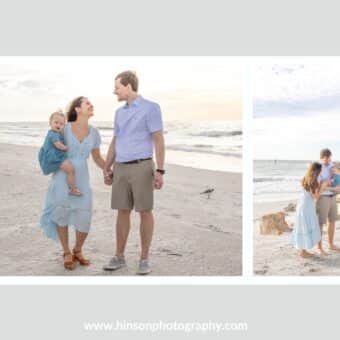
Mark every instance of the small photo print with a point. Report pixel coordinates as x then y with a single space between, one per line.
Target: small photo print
296 109
121 166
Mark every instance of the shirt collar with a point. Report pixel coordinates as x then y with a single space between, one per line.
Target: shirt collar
328 165
135 103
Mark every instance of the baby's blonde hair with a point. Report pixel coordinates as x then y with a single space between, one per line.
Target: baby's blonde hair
57 113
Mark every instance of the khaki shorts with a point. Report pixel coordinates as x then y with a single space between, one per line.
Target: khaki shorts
133 186
326 207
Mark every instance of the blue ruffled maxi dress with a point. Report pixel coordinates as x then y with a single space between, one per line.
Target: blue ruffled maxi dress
61 208
306 233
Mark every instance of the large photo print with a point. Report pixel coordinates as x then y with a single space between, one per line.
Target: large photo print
120 166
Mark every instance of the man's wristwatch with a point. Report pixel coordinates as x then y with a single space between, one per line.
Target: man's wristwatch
162 172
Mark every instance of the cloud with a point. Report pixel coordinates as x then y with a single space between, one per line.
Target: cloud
189 87
281 69
28 84
18 79
4 82
296 137
302 107
297 89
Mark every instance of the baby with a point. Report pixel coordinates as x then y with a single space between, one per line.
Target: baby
336 175
52 155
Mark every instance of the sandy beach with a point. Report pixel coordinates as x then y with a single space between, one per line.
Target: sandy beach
274 255
193 235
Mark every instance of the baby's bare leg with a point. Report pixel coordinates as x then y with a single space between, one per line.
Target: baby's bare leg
71 174
71 178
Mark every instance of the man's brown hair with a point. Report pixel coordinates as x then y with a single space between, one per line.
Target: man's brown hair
128 77
325 153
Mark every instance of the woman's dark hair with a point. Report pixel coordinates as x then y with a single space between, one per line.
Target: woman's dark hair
310 180
71 112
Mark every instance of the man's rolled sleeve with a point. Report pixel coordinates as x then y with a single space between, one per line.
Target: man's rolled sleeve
154 119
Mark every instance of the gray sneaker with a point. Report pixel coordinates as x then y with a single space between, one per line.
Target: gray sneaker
115 263
144 267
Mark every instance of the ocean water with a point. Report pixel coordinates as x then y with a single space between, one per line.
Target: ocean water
278 180
213 145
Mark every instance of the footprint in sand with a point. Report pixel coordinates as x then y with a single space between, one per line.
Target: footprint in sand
262 271
175 215
169 252
313 270
212 228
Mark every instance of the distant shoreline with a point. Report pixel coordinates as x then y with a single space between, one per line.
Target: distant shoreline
212 147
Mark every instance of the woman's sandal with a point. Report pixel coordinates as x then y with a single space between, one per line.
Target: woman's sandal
78 256
75 192
69 264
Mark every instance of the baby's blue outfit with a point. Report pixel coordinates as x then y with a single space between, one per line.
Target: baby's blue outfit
64 209
306 233
336 180
50 158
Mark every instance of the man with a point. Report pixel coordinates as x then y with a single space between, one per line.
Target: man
138 128
326 206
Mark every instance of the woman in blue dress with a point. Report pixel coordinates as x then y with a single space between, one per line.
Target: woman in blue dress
307 233
61 209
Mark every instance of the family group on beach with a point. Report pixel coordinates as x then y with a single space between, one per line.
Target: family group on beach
317 206
128 167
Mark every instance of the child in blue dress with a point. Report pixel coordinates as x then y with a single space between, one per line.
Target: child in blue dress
336 176
52 155
307 233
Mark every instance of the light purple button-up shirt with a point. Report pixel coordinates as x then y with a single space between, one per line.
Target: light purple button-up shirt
326 175
133 127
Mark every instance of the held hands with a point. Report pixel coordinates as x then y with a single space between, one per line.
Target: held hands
108 176
326 185
336 189
158 180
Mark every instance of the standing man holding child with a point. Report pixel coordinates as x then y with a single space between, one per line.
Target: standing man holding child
138 128
326 205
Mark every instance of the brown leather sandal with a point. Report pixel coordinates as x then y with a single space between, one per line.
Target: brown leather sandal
78 256
75 192
69 264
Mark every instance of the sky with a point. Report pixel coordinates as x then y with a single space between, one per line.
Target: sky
187 88
296 108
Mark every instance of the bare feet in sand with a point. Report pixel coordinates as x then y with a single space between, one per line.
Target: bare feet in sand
321 252
334 247
305 254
